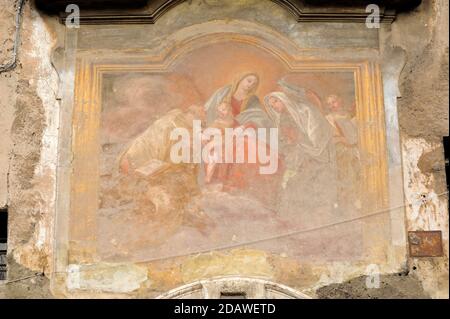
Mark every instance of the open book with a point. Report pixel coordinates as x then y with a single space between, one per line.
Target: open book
152 168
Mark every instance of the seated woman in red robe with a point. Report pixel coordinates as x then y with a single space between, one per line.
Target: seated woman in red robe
247 112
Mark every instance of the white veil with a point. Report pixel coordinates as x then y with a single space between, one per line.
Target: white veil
315 131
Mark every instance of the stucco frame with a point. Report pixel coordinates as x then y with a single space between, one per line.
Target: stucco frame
83 143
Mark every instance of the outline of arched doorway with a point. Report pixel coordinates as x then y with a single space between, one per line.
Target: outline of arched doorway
248 287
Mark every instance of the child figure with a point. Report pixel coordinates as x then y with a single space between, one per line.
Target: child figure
224 120
224 117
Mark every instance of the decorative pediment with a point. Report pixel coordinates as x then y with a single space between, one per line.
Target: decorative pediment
148 11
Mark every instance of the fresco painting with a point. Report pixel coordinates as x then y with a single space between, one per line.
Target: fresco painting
150 207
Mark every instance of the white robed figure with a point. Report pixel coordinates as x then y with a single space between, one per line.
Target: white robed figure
309 182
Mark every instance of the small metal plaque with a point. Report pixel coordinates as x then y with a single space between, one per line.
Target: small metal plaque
425 243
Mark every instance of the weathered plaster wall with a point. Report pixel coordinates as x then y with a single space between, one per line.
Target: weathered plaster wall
423 35
29 121
7 92
423 115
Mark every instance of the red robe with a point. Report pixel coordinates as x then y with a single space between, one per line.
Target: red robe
246 176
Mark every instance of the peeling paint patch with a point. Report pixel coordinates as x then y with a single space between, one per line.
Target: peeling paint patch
106 277
43 82
426 210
